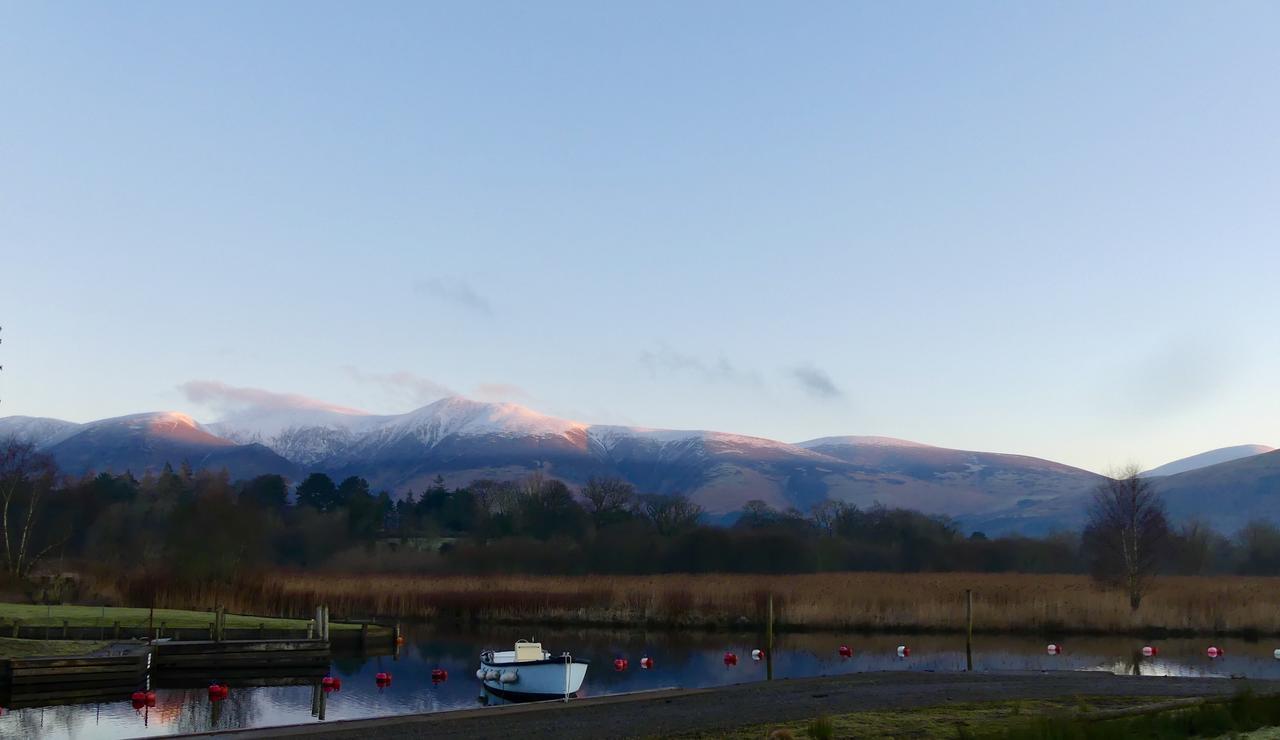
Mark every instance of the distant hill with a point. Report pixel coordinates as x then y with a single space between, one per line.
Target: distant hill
143 442
1205 459
462 440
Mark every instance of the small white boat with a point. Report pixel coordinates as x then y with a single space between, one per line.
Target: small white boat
529 673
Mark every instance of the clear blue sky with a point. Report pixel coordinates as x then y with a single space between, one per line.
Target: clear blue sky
1047 228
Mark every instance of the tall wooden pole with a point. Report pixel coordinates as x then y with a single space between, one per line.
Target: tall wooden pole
968 638
768 643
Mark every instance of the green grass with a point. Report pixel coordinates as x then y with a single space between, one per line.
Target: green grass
1242 713
947 721
11 648
98 616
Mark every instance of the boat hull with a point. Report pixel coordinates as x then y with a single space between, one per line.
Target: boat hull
552 678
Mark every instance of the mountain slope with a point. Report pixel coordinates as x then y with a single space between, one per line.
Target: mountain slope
143 442
39 431
1205 459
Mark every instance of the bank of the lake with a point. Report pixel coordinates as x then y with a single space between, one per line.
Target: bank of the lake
991 700
905 603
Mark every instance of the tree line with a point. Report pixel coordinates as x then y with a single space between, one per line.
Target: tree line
203 526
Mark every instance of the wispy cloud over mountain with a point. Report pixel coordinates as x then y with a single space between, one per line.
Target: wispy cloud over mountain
225 398
456 291
402 385
664 359
815 382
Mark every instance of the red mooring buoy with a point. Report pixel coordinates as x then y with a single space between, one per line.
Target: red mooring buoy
730 659
845 651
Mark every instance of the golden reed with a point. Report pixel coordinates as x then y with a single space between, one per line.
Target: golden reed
829 601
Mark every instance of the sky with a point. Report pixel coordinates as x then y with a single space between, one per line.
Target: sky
1043 228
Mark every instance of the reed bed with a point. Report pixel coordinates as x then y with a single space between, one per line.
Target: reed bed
925 602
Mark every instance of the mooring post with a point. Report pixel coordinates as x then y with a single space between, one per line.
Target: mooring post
65 628
364 635
115 630
219 623
768 642
311 629
17 624
968 635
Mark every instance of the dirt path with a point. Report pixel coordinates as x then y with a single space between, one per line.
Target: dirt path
677 710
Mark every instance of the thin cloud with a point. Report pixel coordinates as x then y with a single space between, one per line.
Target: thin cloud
502 392
665 360
815 382
456 291
1170 378
402 384
230 398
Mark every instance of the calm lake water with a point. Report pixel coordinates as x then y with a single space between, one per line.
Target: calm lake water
689 659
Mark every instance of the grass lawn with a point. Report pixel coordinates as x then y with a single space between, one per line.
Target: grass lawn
39 615
947 721
11 648
1075 718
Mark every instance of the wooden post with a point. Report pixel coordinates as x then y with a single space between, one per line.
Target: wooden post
768 642
160 632
968 637
17 624
65 628
115 630
262 630
364 635
311 629
219 623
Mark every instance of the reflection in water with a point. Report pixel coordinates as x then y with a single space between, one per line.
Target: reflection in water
680 659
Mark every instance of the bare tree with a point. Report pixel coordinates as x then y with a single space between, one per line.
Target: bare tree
670 514
607 497
25 477
1126 534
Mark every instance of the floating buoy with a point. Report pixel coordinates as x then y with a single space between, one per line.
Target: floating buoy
903 651
730 659
1053 649
619 664
140 696
1149 651
845 651
151 698
399 639
218 691
438 675
757 655
327 682
646 663
1214 652
382 679
1276 655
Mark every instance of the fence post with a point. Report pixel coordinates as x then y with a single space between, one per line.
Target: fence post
769 642
65 628
115 630
17 625
968 638
364 635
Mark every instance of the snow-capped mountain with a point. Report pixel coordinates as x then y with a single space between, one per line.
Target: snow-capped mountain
463 440
37 430
1205 459
142 442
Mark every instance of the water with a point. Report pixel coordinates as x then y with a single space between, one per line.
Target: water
687 659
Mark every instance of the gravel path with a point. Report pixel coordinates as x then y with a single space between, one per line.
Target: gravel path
677 710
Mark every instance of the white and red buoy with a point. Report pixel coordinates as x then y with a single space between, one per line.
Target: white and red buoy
1053 649
845 651
646 663
1214 652
757 655
903 651
1149 651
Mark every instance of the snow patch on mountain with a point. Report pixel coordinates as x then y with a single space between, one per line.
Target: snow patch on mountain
37 430
858 441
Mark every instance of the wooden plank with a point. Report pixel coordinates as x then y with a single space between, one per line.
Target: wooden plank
210 646
23 673
198 660
23 663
